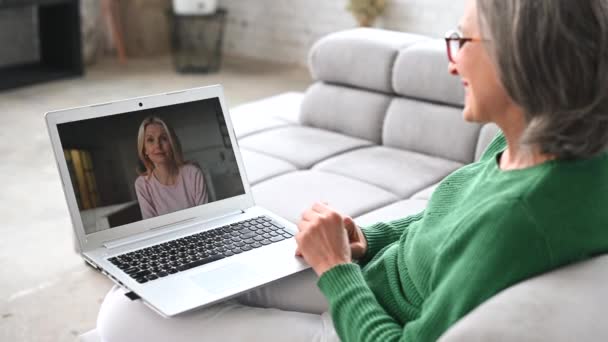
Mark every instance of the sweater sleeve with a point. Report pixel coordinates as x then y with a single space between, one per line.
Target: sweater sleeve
382 234
473 268
146 205
200 188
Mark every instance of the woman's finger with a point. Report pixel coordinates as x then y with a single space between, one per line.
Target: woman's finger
309 215
348 221
321 208
302 225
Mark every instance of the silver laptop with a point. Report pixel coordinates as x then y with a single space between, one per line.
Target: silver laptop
160 202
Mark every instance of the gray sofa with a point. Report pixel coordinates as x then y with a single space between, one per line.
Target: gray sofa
374 134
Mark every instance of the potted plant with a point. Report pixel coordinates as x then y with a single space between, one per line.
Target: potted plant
366 11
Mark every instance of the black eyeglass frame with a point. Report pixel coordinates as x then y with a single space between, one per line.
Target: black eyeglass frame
452 36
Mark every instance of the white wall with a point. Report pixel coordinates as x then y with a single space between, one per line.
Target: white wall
283 31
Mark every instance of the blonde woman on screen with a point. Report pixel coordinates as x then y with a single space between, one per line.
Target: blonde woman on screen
167 183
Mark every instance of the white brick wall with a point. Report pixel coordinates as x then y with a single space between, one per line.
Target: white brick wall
283 31
276 30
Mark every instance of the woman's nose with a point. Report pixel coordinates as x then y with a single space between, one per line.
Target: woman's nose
452 69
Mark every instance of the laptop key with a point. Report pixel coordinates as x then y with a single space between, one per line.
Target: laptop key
131 270
141 280
277 238
200 262
248 235
140 274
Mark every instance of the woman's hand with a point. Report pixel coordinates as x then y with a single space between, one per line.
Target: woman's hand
323 239
356 239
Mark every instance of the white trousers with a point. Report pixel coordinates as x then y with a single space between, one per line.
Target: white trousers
290 309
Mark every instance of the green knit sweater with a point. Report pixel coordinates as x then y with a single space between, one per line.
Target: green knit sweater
483 230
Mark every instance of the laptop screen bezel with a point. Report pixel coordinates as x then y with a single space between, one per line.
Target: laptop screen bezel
95 240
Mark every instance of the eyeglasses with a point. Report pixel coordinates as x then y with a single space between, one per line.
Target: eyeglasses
455 41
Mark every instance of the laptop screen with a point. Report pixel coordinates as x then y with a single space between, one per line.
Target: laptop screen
133 166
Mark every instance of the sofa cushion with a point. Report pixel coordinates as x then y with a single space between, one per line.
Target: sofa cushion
568 304
272 112
350 111
401 172
290 194
392 212
430 129
260 167
486 135
301 146
421 72
361 58
426 193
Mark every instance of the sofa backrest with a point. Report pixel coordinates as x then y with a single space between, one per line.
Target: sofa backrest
391 88
360 58
421 72
353 70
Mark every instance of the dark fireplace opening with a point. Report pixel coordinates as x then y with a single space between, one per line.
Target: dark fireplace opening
56 42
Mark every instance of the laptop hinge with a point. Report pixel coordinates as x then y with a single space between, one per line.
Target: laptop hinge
158 231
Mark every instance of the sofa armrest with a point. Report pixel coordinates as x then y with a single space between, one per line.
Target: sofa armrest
568 304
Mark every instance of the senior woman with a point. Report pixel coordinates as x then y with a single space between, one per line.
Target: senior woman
167 183
535 201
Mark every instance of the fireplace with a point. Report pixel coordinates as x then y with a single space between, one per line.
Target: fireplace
58 41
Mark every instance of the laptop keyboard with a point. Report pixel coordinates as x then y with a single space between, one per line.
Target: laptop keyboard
182 254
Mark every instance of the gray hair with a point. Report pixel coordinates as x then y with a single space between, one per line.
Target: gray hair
552 58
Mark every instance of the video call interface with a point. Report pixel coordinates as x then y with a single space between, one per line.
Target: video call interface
139 165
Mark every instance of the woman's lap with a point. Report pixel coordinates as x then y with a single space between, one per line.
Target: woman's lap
288 309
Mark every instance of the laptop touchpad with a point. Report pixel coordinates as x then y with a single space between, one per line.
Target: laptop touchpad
226 278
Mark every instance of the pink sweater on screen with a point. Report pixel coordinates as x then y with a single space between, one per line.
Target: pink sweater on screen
157 199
